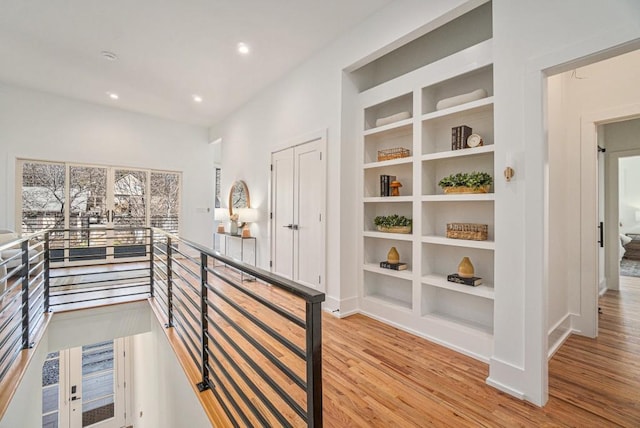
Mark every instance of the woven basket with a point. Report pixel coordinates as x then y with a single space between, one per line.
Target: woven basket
472 231
464 189
394 229
395 153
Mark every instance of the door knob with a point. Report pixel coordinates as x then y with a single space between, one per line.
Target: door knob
288 226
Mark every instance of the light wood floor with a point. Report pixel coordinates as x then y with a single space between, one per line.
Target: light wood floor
378 376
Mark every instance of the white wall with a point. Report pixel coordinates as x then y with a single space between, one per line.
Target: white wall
559 223
530 37
629 180
37 125
308 100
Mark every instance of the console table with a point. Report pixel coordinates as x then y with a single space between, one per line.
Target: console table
236 247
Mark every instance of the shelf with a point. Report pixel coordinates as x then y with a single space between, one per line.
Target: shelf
386 235
440 281
459 322
389 301
391 199
466 243
390 127
391 162
471 107
404 274
459 153
472 197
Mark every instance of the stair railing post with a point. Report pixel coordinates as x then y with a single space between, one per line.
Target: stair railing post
204 323
314 363
151 258
47 277
25 293
169 284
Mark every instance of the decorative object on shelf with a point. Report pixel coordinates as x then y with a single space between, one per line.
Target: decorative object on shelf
393 256
220 215
393 266
395 153
473 281
465 268
393 118
478 94
395 188
459 136
461 182
393 224
233 224
246 216
385 183
474 140
471 231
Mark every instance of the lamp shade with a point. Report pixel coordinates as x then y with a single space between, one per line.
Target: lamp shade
221 214
247 215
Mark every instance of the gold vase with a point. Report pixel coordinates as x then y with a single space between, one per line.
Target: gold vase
465 268
393 256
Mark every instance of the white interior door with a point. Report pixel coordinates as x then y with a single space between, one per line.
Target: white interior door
298 213
92 384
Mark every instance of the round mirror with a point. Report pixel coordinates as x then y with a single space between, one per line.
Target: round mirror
238 197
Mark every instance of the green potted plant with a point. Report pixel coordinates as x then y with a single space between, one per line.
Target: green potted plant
393 223
467 182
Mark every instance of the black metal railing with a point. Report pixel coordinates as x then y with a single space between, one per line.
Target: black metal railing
23 297
254 337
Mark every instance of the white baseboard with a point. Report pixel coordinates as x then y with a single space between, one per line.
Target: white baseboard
341 308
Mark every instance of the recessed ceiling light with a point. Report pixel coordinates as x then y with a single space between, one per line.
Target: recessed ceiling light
243 48
109 55
113 95
197 98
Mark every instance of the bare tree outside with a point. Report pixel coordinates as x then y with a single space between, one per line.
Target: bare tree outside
46 202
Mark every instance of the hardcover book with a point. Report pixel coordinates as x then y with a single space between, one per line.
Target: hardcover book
473 281
393 266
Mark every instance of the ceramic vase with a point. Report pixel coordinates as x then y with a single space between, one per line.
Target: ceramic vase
393 256
465 268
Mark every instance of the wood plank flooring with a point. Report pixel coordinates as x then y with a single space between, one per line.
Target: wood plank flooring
377 376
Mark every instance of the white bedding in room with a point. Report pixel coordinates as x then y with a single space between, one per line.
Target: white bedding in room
624 240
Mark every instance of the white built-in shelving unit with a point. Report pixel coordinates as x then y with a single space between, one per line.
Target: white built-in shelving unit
420 299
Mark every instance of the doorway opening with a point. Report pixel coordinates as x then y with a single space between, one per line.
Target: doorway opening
629 209
85 386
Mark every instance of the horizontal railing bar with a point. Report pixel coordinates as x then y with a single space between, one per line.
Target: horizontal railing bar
275 308
219 385
183 340
182 306
254 366
176 262
36 323
6 339
73 275
9 318
175 249
239 391
13 351
32 293
96 298
156 248
100 281
263 350
81 291
263 398
262 325
36 267
182 282
307 293
7 336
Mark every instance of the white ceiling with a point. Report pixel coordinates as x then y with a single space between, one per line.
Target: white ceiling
167 50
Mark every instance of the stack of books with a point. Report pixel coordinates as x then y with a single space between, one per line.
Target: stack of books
395 266
473 281
459 135
385 180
